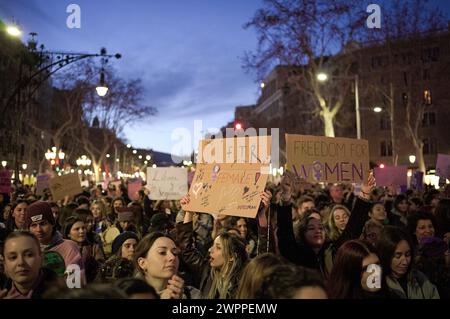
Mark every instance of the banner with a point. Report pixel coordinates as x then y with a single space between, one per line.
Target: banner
443 166
43 182
327 159
134 185
228 189
5 181
65 185
391 176
167 183
254 149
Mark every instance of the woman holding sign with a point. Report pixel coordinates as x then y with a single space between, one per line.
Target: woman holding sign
314 251
220 272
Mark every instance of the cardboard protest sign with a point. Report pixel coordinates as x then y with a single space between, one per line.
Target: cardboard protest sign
134 185
43 182
391 175
65 185
443 166
5 182
327 159
167 183
254 149
229 189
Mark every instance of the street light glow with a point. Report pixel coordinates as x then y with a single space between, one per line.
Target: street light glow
4 164
107 155
377 109
134 152
101 90
148 157
412 159
322 77
129 145
13 31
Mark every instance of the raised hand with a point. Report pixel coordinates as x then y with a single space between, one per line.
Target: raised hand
174 289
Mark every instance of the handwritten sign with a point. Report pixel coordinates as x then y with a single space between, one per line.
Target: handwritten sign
443 166
167 183
43 182
391 175
327 159
229 189
5 182
65 185
254 149
134 185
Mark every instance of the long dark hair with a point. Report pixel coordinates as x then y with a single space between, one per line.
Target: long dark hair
389 238
11 222
345 278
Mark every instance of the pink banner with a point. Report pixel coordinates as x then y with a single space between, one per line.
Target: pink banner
5 182
391 176
134 185
443 166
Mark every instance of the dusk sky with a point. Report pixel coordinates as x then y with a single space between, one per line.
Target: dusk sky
187 53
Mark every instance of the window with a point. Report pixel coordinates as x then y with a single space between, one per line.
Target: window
386 148
427 97
429 146
385 123
429 119
405 99
430 54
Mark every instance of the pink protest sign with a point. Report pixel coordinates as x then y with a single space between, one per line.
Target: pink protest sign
5 182
391 175
443 166
134 185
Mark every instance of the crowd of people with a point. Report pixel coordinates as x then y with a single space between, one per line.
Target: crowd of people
307 241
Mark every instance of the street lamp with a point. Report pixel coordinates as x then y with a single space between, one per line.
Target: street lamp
83 161
412 159
4 164
24 166
377 109
322 77
14 31
102 89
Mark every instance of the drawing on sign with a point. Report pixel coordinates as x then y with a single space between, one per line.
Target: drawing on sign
196 188
246 189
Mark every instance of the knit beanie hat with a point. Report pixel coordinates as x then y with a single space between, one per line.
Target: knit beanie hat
38 211
119 240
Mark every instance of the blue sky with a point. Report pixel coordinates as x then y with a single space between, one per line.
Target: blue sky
187 53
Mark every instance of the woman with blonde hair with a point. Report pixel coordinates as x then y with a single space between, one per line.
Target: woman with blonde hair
337 221
254 273
98 210
221 271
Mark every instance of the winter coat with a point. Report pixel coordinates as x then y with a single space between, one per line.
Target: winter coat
418 287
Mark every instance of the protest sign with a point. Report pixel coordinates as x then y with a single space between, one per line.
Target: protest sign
5 181
254 149
327 159
43 182
229 189
391 175
443 166
167 183
65 185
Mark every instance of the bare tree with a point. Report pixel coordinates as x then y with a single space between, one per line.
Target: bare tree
104 118
409 23
305 35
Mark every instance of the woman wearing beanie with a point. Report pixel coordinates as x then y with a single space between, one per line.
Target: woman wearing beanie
125 244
